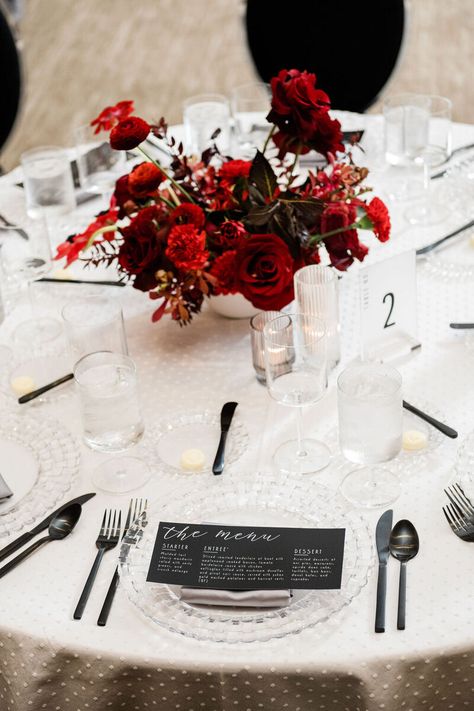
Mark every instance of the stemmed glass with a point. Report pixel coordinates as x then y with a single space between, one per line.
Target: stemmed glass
370 431
296 375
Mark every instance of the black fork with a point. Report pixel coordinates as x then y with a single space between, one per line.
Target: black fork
109 536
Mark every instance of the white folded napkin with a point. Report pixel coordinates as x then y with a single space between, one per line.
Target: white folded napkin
5 491
236 598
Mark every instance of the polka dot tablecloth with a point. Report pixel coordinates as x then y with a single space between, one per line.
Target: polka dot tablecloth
49 661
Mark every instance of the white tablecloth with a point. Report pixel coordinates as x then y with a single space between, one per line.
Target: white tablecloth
48 661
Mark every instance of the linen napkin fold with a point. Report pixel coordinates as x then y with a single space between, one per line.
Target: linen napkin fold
5 491
236 598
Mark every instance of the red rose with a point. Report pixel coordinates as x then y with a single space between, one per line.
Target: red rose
187 247
377 213
111 115
129 133
188 214
264 271
229 234
142 248
223 269
144 179
233 169
301 113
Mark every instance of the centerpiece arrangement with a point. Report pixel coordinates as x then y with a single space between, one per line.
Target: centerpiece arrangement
210 224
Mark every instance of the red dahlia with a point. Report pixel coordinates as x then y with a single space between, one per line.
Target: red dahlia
187 247
129 133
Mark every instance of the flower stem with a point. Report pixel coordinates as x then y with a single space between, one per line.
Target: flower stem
172 180
317 238
267 140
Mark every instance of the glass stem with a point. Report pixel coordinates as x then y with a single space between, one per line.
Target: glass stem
301 452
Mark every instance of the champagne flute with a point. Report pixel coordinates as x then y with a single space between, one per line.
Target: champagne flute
296 375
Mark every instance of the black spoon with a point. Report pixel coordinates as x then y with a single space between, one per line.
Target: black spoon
403 545
60 527
444 429
46 388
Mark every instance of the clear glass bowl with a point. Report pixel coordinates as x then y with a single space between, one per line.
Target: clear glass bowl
257 500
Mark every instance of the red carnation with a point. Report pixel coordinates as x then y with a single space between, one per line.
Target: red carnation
378 214
129 133
224 269
144 179
301 113
264 271
187 247
188 214
111 115
233 169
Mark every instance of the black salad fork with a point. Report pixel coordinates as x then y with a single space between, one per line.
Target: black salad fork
136 509
460 513
109 536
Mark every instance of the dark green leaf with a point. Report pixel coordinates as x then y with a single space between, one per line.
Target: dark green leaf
259 216
262 175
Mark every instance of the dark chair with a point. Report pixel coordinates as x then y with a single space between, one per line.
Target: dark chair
10 73
351 47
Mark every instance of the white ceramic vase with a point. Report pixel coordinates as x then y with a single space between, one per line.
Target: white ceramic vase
232 306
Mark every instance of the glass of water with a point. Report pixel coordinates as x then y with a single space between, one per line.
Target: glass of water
296 375
99 166
250 104
202 116
370 431
48 181
94 323
112 420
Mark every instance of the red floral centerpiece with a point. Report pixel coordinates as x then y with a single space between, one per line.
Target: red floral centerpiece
213 225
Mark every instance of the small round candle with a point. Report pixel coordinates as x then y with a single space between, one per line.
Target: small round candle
413 440
192 460
22 385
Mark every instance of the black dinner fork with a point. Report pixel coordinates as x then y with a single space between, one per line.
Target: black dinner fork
136 510
459 513
109 536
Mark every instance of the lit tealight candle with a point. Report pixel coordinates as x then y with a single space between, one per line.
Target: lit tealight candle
192 460
413 440
62 274
22 385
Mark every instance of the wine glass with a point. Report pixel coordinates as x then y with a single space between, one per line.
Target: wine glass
296 375
370 431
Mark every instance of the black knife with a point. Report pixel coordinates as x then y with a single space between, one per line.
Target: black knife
382 537
25 537
227 414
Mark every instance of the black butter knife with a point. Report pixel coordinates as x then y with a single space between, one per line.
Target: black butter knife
227 414
382 538
25 537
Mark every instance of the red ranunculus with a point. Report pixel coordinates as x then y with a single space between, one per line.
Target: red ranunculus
144 179
129 133
187 247
229 234
264 271
142 248
301 113
233 169
223 269
188 214
377 213
111 115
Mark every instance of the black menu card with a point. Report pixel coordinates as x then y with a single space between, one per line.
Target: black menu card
247 557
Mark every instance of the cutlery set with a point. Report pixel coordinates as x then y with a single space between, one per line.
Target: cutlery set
401 542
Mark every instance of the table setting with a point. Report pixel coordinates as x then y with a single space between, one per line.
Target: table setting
237 433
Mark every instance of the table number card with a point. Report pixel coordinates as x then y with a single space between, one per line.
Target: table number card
247 557
388 308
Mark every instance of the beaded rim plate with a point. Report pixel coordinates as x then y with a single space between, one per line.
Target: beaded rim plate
198 430
57 457
258 500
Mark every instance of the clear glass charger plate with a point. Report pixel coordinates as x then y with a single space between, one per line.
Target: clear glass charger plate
464 466
167 440
40 461
260 500
453 261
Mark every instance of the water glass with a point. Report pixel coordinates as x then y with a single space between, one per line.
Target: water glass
94 324
296 375
316 293
257 324
370 431
202 116
48 181
250 104
99 166
406 127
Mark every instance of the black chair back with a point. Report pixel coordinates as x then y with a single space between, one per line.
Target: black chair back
351 47
10 77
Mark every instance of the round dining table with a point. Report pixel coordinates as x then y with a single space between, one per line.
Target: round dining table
48 660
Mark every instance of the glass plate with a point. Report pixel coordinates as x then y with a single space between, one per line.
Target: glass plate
40 460
464 466
455 261
260 500
170 438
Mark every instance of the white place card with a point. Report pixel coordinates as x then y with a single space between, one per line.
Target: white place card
388 308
